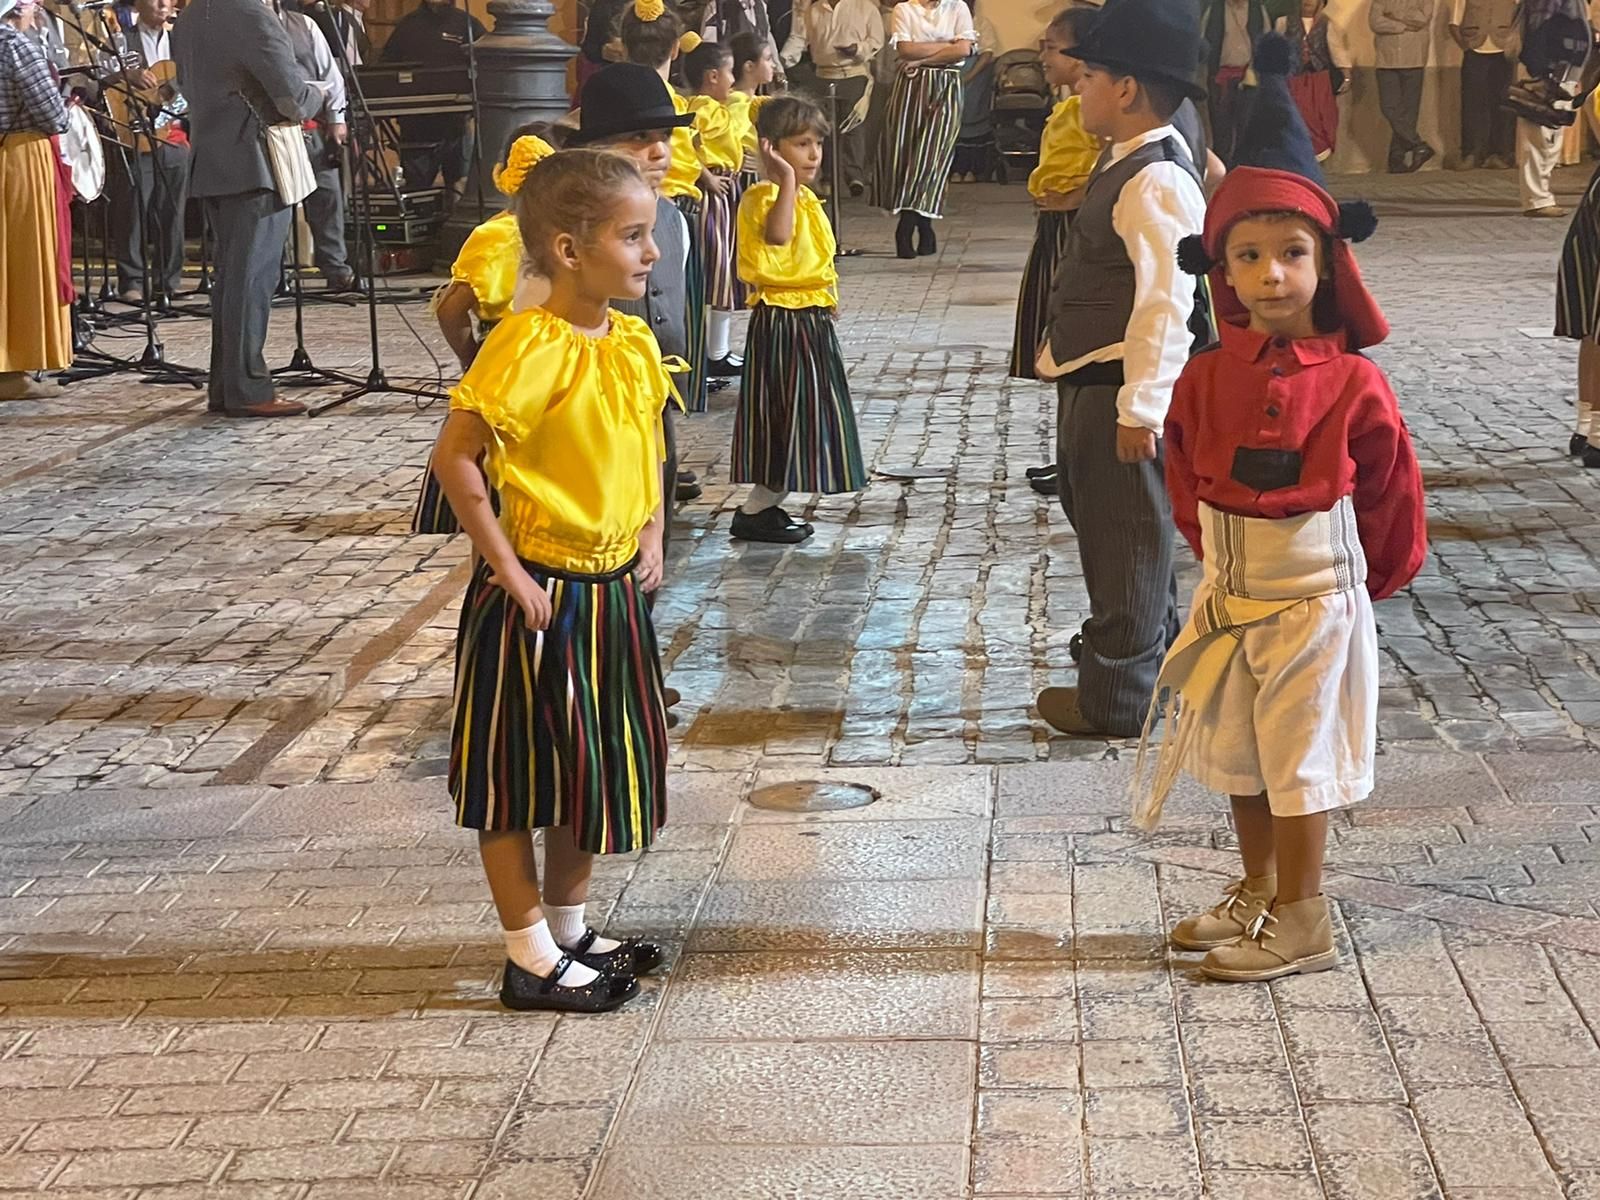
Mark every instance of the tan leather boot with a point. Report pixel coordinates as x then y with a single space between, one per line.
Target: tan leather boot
1242 900
1291 939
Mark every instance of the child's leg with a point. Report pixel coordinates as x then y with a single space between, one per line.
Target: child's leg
1244 899
1589 390
719 335
1301 844
566 892
1253 822
761 499
513 876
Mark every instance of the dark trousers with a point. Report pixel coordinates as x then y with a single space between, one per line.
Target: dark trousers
1226 103
1124 525
1487 130
852 146
325 208
164 183
1400 98
248 232
431 149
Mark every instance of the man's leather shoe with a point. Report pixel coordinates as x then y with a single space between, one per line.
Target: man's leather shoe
276 407
1059 707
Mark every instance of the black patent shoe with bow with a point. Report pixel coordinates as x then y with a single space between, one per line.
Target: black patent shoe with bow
632 957
523 991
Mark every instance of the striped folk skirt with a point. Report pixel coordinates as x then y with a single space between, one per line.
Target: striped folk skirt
718 229
743 182
795 429
433 513
1578 279
1033 301
918 146
694 393
565 726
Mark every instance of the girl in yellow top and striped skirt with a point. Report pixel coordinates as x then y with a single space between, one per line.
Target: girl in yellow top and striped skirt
488 280
795 429
559 723
708 71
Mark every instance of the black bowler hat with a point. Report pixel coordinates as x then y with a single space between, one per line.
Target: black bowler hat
1150 38
625 98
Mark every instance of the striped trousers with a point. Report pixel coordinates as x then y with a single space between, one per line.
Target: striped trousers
1124 525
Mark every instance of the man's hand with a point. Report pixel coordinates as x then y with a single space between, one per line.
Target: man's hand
341 133
145 81
1135 445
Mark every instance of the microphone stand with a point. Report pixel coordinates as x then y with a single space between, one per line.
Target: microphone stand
835 156
376 381
475 161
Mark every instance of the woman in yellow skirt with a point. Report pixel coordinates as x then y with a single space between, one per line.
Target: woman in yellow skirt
35 322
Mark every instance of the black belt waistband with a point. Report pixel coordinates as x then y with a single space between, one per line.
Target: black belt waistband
1106 374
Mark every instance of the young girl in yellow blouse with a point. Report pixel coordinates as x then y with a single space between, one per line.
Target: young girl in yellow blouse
795 430
708 73
558 722
753 69
652 35
1067 156
489 278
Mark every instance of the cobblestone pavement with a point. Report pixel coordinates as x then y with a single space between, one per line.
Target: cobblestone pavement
243 954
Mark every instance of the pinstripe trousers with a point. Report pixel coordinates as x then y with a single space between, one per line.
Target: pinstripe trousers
1124 525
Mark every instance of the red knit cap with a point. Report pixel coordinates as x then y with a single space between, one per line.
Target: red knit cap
1248 191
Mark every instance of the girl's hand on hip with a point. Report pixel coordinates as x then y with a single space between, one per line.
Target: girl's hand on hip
532 599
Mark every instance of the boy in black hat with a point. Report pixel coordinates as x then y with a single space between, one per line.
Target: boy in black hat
1118 337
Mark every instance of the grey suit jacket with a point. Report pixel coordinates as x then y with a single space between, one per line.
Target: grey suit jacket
235 62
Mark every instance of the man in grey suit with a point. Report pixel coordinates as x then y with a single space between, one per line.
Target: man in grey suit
237 69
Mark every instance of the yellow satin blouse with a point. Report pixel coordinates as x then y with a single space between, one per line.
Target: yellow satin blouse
799 275
721 144
683 175
1067 152
489 262
578 445
742 114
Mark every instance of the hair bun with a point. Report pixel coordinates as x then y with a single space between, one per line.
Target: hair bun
649 10
690 42
525 153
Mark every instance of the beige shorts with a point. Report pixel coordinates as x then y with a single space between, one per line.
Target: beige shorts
1296 714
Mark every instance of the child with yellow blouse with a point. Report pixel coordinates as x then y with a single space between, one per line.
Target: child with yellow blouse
652 36
1067 156
558 722
708 72
489 278
795 429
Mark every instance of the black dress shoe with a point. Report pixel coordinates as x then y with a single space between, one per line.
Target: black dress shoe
1046 485
927 242
729 366
523 991
688 477
1577 445
1040 472
1591 457
770 525
904 236
686 492
1075 648
632 957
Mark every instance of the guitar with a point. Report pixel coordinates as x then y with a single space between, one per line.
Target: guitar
148 109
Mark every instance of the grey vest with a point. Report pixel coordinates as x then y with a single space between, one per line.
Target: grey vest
665 304
1485 19
1092 296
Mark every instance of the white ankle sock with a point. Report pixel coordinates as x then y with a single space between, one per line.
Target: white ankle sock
567 927
719 335
762 499
533 949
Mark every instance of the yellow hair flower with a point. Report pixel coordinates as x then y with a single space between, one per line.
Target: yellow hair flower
649 10
525 152
690 42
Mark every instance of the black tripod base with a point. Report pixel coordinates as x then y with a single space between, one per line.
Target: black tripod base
376 382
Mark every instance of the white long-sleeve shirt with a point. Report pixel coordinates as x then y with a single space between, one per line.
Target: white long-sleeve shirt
855 23
1158 208
943 21
329 77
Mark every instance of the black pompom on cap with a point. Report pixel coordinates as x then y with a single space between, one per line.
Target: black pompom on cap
1357 221
1274 55
1192 256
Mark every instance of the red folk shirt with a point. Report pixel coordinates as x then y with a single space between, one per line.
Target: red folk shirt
1274 427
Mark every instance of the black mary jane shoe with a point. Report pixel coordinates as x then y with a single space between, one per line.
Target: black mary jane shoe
1041 472
1046 485
770 525
927 240
1577 445
1075 648
523 991
632 957
729 366
1590 457
905 236
684 492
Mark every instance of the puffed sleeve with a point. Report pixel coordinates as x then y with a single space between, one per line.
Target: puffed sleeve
523 365
752 239
1181 488
1391 514
489 263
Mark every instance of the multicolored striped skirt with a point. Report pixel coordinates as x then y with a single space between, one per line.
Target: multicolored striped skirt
718 238
433 513
795 429
744 181
694 394
1033 301
563 726
918 146
1578 278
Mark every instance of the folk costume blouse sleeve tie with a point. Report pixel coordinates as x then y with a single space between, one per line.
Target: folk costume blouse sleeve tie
577 440
1067 152
1280 427
798 275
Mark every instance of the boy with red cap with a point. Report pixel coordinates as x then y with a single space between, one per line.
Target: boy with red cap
1293 477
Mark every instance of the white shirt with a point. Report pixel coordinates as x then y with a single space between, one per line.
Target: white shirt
154 44
945 21
855 23
1458 12
1158 207
1236 49
352 44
